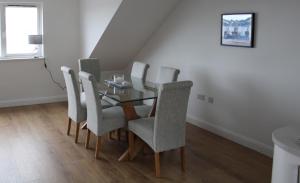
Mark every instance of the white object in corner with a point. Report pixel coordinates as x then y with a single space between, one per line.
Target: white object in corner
286 159
233 136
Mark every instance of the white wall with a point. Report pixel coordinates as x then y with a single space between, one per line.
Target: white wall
95 16
255 90
26 82
129 29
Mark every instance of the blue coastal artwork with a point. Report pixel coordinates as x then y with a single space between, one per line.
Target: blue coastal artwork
238 29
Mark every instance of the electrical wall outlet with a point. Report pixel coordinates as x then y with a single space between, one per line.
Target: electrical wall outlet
210 100
201 97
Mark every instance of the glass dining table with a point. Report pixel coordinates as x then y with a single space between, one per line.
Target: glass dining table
135 90
127 97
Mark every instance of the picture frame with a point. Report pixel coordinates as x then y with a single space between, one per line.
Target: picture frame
238 29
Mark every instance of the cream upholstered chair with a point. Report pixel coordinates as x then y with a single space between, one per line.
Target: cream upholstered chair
99 121
76 105
92 66
166 130
165 75
138 74
139 70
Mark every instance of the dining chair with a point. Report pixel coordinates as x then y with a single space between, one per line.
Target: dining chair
165 131
92 66
139 70
76 103
99 121
165 75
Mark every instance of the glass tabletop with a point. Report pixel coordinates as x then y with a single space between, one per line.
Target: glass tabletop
136 91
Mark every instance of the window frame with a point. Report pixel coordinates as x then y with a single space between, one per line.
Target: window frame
4 54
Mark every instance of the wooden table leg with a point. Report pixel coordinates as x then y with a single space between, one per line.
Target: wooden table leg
84 126
129 111
130 114
137 147
124 156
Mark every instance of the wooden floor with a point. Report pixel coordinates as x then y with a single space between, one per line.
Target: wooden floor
34 147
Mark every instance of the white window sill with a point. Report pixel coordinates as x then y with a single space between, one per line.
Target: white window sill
8 59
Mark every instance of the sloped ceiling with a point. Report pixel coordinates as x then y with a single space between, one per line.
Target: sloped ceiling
95 16
130 28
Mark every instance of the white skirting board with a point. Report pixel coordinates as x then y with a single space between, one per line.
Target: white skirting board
233 136
32 101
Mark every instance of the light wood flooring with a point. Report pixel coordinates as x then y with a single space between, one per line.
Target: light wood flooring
34 147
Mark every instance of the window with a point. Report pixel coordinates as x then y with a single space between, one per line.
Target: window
17 23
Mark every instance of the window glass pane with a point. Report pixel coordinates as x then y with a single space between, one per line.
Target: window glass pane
20 22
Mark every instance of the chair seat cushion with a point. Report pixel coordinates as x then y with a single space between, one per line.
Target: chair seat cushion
143 110
104 103
144 128
110 101
113 118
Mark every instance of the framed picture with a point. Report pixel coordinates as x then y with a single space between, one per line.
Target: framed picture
237 29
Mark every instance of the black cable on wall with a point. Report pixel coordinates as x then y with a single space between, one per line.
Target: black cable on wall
51 76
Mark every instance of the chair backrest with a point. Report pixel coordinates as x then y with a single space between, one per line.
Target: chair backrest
138 84
93 102
139 70
75 111
92 66
170 118
167 75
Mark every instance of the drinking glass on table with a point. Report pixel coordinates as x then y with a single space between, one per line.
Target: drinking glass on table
118 78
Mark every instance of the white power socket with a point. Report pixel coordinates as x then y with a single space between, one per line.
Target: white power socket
201 97
210 100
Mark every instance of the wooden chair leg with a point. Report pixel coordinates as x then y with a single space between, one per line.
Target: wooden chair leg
119 134
110 136
69 126
182 156
77 132
157 164
87 140
98 146
127 135
130 144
